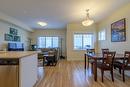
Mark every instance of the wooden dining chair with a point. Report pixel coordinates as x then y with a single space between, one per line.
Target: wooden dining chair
124 65
105 50
107 63
90 60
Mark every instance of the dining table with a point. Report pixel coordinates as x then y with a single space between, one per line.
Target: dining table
99 56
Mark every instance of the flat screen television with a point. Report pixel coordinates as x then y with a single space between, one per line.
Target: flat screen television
15 47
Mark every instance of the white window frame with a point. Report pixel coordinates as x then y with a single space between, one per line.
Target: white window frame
45 41
102 35
82 40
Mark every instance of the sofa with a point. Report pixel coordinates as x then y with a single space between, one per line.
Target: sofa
49 59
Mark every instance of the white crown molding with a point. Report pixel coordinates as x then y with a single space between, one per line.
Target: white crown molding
12 20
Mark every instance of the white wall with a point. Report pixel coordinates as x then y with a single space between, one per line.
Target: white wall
12 20
4 28
77 28
119 47
50 32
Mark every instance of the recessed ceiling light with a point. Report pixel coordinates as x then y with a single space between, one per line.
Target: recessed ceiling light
42 23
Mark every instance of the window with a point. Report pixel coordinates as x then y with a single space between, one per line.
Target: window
102 35
48 42
83 41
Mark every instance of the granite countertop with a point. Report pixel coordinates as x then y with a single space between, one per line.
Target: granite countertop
16 54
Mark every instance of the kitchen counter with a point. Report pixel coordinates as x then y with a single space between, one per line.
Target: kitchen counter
16 54
25 64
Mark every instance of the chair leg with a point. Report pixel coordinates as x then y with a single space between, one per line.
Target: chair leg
112 75
88 63
43 62
119 70
123 74
102 73
92 67
114 67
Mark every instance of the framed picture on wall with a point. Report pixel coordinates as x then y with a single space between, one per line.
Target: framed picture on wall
9 37
118 31
13 31
17 38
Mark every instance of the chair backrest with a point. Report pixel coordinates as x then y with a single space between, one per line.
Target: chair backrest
109 57
126 60
91 51
104 50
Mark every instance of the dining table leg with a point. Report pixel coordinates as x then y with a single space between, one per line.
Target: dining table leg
85 61
95 70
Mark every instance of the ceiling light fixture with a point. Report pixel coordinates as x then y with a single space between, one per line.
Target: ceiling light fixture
88 21
42 23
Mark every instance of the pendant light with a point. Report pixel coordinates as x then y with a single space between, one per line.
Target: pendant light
88 21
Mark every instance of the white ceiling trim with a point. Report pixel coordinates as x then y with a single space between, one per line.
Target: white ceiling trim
12 20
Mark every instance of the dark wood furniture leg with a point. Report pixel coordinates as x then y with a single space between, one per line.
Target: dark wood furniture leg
112 75
102 74
92 67
88 62
95 70
85 61
43 61
123 74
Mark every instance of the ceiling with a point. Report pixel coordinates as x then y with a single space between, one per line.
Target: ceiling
58 13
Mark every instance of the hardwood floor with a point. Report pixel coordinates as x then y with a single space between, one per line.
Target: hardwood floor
72 74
